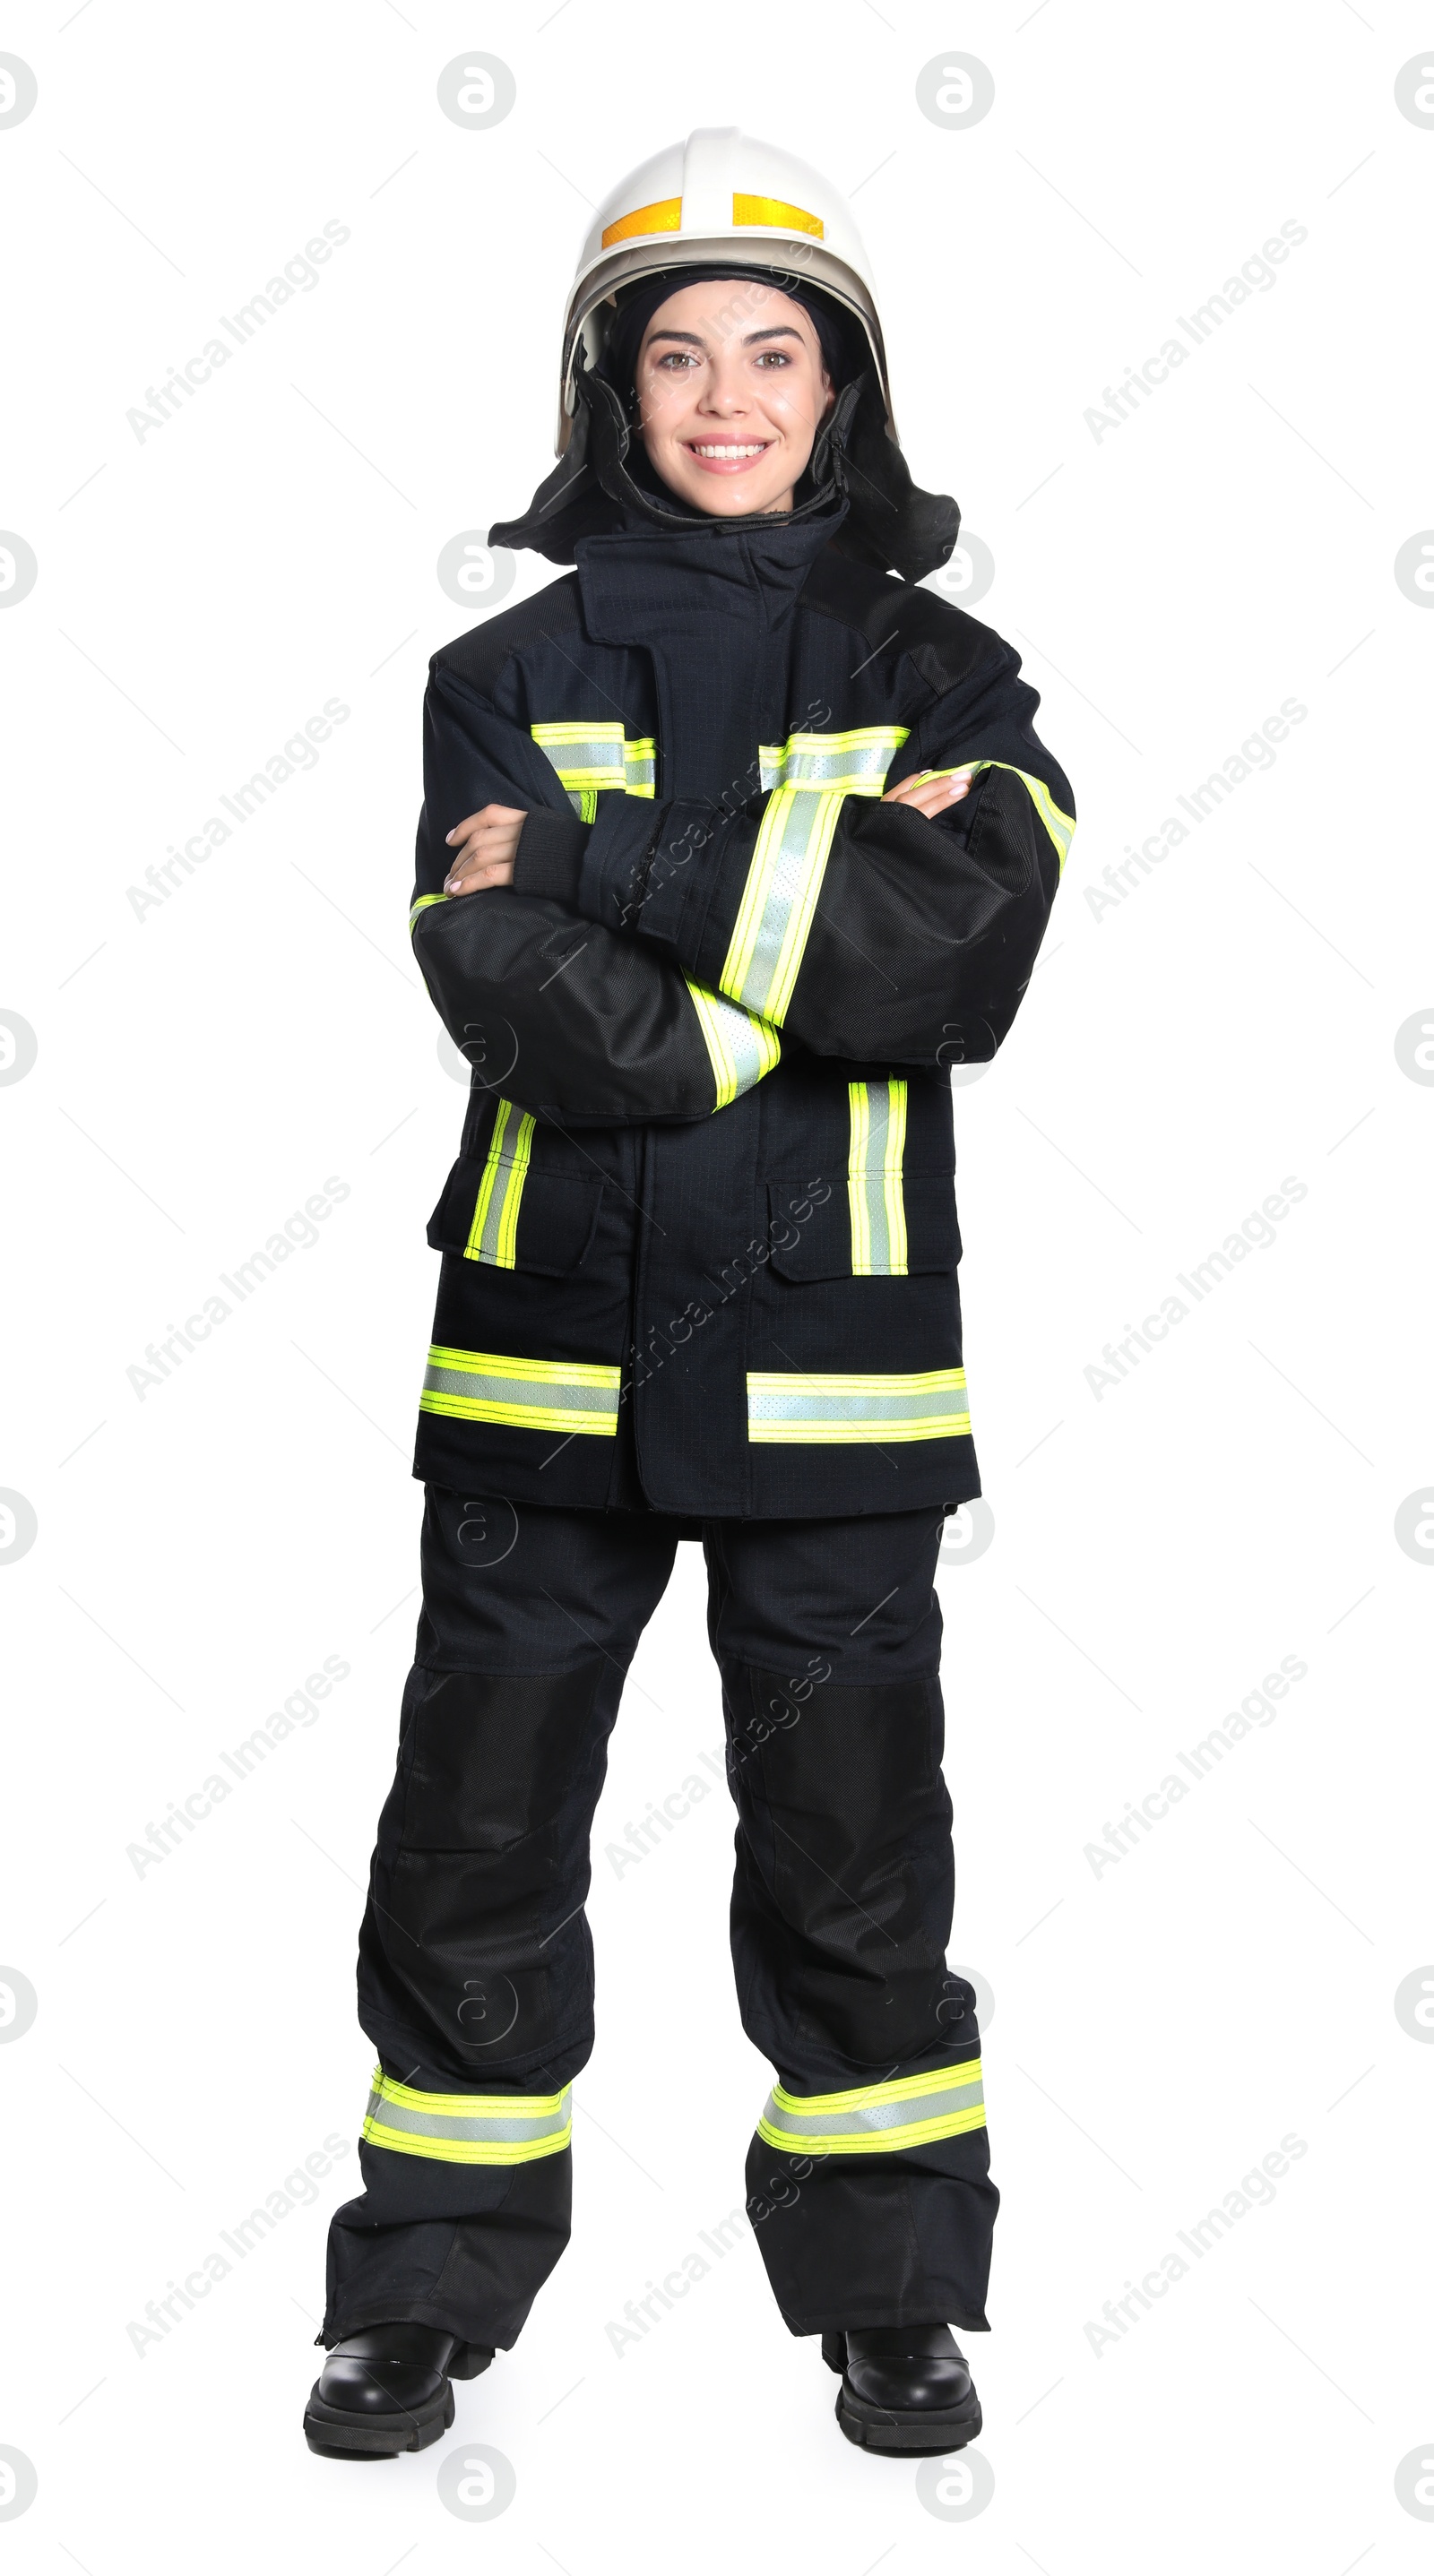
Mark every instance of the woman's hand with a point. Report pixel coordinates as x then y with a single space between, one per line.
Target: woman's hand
484 845
929 796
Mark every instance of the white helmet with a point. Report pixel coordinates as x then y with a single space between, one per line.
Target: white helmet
721 191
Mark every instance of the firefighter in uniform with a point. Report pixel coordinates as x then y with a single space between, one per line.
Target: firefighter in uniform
732 844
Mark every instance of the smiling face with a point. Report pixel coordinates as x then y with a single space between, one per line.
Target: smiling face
731 393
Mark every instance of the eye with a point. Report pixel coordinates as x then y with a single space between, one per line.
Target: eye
774 357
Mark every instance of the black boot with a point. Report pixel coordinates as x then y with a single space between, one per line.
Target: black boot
903 2388
385 2390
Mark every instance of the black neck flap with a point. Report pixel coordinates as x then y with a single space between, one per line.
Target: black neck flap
604 483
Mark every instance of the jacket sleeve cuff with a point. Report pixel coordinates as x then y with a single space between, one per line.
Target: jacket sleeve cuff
615 858
694 881
551 847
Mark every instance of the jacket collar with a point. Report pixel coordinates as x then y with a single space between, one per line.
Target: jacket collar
750 568
662 552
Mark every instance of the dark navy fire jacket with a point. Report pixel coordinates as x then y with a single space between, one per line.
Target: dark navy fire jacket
700 1244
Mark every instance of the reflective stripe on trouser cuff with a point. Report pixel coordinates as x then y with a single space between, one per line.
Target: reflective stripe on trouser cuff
877 2119
1061 827
493 1235
801 1407
878 1204
534 1395
779 899
740 1047
468 2128
855 763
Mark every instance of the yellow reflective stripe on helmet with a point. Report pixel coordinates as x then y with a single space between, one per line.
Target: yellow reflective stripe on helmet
531 1395
874 1185
741 1048
1061 827
801 1408
467 2128
663 216
422 905
877 2119
854 764
779 900
773 212
493 1235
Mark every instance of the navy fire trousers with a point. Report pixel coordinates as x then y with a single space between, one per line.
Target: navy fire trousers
867 2179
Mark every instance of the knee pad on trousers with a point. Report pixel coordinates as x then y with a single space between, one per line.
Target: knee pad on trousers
842 1904
480 1859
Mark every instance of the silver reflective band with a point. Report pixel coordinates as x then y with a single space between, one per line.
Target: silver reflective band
493 1233
467 2128
856 762
536 1395
874 1187
803 1407
741 1049
877 2119
779 900
584 755
590 757
640 759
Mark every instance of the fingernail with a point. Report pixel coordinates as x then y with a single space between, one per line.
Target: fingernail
453 835
959 786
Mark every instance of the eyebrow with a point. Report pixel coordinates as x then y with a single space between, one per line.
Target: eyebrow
774 331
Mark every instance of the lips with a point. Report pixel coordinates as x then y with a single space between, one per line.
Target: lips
727 456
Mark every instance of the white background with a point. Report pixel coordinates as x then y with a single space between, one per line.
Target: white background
1158 1549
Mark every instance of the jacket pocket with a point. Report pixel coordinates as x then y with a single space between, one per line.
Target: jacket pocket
498 1209
860 1232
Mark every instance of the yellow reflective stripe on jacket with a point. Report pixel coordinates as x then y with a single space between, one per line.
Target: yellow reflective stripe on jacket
854 764
422 905
640 765
1061 827
877 2119
493 1234
801 1408
779 900
591 757
467 2128
878 1204
591 754
740 1047
532 1395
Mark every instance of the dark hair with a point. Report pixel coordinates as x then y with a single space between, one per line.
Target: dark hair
843 343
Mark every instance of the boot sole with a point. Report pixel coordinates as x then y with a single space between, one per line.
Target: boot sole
336 2435
921 2431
